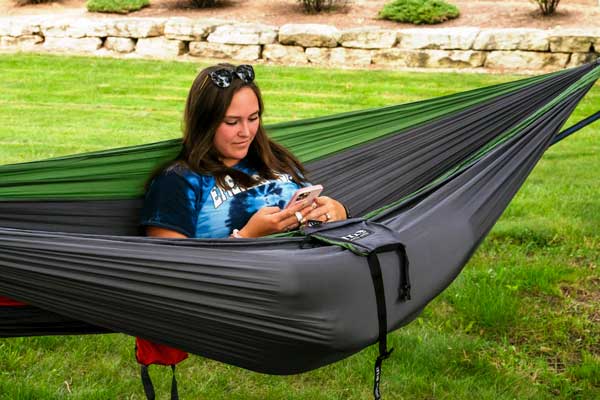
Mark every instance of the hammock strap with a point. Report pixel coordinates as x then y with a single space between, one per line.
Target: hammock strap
174 393
147 383
149 387
377 276
580 125
368 239
404 289
403 295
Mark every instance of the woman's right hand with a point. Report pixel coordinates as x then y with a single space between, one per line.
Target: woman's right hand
270 220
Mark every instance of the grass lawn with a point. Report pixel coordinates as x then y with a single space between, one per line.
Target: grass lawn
521 322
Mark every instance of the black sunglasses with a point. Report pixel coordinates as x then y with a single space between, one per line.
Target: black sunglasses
223 77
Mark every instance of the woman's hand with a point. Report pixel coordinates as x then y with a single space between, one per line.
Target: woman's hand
270 220
326 209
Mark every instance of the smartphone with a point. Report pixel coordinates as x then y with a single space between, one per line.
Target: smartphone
309 193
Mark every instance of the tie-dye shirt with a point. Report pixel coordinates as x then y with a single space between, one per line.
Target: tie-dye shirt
194 205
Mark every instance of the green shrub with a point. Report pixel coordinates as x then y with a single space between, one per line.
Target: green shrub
204 3
315 6
116 6
419 11
547 7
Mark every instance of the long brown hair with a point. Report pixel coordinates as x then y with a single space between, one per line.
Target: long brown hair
205 109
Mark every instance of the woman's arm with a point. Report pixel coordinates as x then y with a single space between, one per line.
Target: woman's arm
264 222
162 232
270 220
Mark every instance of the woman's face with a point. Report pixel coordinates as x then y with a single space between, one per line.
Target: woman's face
238 128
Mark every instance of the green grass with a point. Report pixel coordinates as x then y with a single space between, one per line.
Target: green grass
520 322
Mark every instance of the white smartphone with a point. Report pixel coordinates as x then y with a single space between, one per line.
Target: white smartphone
309 193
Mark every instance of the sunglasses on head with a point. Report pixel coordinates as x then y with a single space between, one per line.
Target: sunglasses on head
223 77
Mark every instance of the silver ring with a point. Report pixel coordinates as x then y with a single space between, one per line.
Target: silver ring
299 216
327 216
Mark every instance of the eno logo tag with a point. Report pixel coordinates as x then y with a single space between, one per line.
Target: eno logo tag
359 234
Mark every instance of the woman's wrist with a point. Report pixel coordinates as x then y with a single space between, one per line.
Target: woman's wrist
341 211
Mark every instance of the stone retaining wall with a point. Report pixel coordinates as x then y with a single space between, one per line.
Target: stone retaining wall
473 48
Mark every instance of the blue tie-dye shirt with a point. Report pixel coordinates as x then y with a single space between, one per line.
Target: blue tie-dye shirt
184 201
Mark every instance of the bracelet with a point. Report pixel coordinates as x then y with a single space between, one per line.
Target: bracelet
236 234
348 216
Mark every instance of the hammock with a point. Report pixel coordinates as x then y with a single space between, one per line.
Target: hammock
429 179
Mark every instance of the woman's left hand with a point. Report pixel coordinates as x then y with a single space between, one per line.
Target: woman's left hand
326 209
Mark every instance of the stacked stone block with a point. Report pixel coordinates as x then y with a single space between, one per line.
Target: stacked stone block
453 48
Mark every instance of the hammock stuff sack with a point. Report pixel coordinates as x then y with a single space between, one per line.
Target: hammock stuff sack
428 180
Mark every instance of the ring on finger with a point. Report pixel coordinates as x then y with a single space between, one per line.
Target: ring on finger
327 216
299 216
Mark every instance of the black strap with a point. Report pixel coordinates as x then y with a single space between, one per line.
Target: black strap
348 216
377 277
404 288
377 374
147 383
403 295
149 387
580 125
174 393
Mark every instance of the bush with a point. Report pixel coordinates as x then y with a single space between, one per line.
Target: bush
26 2
204 3
315 6
547 7
116 6
419 11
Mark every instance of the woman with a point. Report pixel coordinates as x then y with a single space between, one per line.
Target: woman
230 179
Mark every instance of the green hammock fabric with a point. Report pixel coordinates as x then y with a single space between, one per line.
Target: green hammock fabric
122 173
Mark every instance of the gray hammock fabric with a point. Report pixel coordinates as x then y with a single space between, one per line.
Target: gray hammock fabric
426 195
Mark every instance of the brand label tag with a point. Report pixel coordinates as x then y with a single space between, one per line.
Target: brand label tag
359 234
